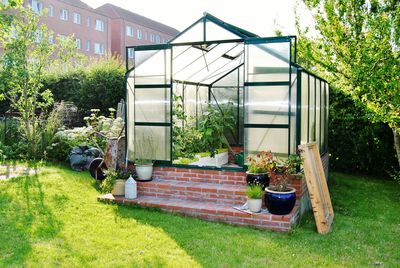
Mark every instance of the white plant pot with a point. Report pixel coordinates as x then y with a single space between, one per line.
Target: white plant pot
144 172
254 205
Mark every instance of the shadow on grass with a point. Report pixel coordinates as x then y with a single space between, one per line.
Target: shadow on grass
24 218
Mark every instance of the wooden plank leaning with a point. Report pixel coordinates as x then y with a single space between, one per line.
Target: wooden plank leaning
317 187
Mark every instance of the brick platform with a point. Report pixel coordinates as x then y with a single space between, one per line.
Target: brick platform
208 195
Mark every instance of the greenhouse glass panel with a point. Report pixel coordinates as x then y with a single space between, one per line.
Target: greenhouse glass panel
216 32
130 115
293 111
304 107
195 33
267 105
311 120
259 139
326 116
318 112
152 105
268 62
323 104
154 70
152 142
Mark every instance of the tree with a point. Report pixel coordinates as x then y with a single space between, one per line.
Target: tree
358 49
27 53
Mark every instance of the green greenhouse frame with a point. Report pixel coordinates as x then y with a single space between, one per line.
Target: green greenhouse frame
278 104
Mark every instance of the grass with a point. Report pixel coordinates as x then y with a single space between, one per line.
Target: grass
52 219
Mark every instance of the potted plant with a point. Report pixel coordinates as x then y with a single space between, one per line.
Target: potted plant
259 167
115 181
279 197
254 194
145 152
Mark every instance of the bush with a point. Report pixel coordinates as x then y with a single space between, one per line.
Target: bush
355 143
100 85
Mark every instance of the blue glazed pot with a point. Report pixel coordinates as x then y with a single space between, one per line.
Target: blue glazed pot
257 178
280 203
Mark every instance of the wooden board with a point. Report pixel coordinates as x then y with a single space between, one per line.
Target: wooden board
317 187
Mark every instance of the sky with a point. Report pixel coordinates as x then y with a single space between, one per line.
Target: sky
258 16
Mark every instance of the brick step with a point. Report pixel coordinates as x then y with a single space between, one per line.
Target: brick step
212 212
194 191
200 175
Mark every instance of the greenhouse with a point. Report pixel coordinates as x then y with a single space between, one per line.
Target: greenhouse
217 90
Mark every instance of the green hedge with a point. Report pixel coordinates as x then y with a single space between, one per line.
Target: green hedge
100 85
355 143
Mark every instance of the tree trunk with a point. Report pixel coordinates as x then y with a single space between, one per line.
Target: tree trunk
396 136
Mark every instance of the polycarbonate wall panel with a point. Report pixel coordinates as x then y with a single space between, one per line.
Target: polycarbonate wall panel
267 105
259 139
323 104
318 112
202 100
293 111
130 115
152 105
304 108
225 91
216 32
268 62
311 120
190 100
194 34
154 70
326 116
152 142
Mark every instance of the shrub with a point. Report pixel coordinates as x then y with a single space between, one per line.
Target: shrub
100 85
355 143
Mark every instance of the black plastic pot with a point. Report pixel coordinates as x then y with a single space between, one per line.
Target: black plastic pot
280 203
257 178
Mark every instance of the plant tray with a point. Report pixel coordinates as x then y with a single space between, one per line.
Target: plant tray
219 160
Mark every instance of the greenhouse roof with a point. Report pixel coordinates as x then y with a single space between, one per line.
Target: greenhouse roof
209 49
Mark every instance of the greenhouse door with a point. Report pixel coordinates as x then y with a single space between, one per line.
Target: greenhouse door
152 106
267 95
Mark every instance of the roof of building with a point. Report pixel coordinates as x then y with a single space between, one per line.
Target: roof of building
116 12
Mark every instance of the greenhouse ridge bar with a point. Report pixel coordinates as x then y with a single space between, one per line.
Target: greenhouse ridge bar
276 104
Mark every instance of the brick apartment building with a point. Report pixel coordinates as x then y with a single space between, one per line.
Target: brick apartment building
99 31
66 17
128 29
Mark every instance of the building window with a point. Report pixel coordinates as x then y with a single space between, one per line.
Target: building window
5 2
51 39
130 53
78 43
36 6
99 48
129 31
87 45
151 37
62 37
99 25
158 39
145 35
51 11
63 14
87 21
139 34
77 18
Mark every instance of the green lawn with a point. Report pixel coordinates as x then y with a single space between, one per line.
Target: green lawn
53 219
